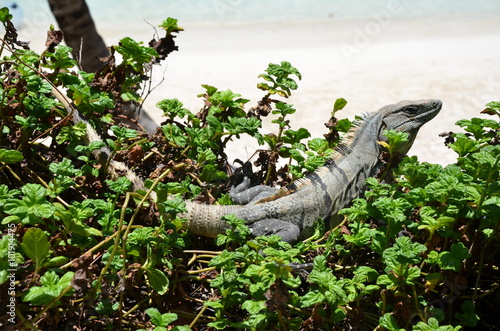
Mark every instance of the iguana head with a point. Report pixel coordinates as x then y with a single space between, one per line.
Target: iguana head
408 116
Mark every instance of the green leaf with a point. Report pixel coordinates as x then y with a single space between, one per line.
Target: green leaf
468 317
492 108
368 274
66 279
10 156
170 25
74 221
389 322
387 281
313 162
433 325
64 168
284 109
220 324
181 328
278 75
452 260
432 224
238 125
437 313
174 108
210 90
318 145
5 16
121 185
228 100
396 141
51 288
477 126
60 59
404 252
38 295
154 315
339 104
282 70
159 319
175 134
123 133
293 137
254 306
36 246
157 280
464 145
34 193
311 298
56 261
343 125
213 304
210 174
105 307
134 54
10 219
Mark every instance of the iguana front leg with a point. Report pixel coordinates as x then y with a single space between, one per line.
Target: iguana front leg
244 194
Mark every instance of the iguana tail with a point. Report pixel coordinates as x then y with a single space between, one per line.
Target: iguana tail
205 220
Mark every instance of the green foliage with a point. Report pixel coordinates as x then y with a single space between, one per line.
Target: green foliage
436 210
10 156
32 208
171 26
160 320
327 289
134 55
433 324
264 272
413 253
52 287
278 76
36 246
5 16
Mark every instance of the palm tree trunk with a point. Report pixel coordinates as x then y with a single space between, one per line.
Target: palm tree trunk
75 21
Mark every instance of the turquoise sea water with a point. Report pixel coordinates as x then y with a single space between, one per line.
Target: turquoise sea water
245 11
235 12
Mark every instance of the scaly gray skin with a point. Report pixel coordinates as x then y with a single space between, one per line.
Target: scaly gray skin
291 213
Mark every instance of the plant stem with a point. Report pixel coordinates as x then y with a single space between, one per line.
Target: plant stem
415 303
484 249
195 320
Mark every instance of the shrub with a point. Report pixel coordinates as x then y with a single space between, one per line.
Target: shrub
418 253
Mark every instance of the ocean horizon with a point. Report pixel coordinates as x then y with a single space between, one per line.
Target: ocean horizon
203 12
239 12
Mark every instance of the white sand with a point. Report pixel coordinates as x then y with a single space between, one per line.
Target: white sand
456 62
368 63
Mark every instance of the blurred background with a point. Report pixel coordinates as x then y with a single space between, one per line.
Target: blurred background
372 53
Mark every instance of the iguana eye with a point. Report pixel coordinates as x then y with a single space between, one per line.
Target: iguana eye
411 109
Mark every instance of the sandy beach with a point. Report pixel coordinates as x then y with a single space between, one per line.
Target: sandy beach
370 63
456 62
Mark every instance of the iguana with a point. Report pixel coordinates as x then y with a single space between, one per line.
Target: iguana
291 212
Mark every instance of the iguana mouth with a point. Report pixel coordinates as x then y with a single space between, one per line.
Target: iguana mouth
425 110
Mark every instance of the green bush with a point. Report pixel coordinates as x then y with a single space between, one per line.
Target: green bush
80 249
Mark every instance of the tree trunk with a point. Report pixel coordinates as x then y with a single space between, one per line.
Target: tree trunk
75 21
